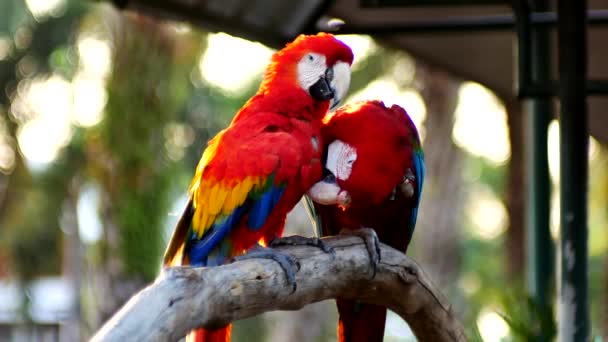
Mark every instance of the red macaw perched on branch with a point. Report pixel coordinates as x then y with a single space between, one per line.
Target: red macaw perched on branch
255 171
375 171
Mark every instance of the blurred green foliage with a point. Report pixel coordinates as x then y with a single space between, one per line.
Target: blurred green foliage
527 319
32 206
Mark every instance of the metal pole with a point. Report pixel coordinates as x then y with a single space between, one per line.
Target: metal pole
573 297
540 244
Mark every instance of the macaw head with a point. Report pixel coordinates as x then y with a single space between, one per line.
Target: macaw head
367 157
317 64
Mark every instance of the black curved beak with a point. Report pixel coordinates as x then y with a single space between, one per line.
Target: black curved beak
329 177
322 90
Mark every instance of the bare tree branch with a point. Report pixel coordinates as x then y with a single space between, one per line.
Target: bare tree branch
183 298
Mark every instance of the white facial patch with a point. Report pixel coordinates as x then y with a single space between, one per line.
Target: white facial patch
310 68
340 159
341 82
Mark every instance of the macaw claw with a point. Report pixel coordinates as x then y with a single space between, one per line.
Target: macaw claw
407 184
289 264
297 240
372 243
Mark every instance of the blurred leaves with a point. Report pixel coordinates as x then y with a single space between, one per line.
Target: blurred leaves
32 240
32 207
528 320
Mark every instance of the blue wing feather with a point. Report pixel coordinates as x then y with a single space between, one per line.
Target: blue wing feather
263 205
209 251
200 249
419 170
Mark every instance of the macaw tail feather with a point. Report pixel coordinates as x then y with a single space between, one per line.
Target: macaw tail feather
204 335
359 322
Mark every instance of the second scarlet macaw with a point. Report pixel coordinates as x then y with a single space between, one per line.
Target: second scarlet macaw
375 172
255 171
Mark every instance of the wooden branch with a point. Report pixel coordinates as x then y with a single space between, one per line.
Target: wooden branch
183 298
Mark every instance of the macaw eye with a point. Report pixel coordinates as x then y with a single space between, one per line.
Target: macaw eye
311 57
350 161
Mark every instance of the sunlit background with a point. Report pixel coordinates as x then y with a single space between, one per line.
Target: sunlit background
104 116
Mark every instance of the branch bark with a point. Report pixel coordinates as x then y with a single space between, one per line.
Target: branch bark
183 298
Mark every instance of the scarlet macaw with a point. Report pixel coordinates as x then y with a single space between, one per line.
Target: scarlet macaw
375 171
255 171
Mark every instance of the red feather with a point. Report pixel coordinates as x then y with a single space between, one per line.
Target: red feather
360 322
385 141
202 335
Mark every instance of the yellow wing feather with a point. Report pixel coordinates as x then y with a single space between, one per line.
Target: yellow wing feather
214 199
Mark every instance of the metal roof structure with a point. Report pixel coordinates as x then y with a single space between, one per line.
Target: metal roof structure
460 39
537 49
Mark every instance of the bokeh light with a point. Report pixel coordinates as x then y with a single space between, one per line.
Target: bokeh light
553 150
47 106
487 212
87 208
492 327
89 100
177 138
469 283
225 65
48 129
481 124
95 56
43 8
403 69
